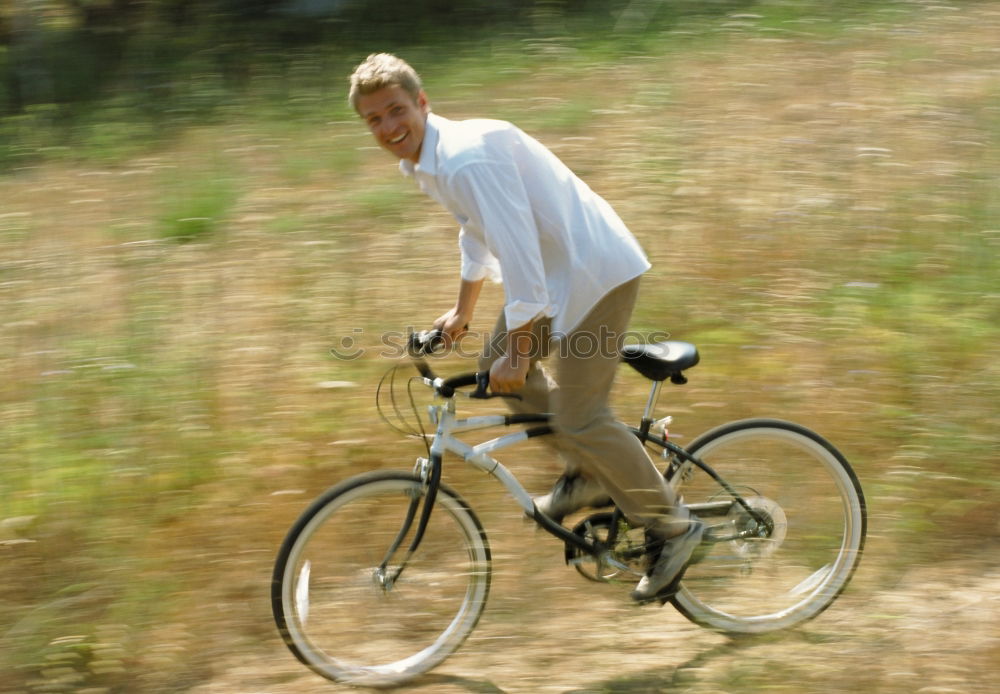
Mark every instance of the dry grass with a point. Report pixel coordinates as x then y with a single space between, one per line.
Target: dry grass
819 202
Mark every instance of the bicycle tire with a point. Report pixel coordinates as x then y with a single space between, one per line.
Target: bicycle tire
813 500
340 621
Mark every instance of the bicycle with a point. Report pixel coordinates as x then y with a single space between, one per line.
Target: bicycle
386 573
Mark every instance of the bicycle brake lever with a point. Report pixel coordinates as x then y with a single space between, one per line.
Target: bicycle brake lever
482 389
482 386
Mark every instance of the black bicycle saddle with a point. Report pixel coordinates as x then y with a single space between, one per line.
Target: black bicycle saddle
659 361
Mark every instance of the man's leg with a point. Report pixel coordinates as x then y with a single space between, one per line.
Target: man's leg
585 363
574 489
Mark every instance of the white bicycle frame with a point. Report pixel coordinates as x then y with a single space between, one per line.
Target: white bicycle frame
444 441
447 425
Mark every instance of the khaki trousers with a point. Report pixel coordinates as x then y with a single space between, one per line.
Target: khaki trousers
575 389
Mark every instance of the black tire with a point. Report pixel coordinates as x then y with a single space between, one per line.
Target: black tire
787 574
340 620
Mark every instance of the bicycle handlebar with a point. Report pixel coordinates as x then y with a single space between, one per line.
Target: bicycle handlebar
428 342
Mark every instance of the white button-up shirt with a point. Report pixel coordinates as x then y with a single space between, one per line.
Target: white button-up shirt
526 220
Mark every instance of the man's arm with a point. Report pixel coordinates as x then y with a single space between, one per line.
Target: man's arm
501 227
455 321
509 372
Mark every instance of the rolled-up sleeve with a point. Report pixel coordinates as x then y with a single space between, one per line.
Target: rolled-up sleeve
477 261
501 228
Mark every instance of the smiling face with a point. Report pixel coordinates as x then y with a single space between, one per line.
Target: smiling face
396 120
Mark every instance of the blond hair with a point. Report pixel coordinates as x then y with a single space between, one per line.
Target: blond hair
381 70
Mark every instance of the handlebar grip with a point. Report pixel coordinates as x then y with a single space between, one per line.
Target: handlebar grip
425 342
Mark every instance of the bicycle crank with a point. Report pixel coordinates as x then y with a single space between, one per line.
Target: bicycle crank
621 549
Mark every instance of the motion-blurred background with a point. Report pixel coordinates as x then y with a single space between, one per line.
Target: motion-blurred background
191 219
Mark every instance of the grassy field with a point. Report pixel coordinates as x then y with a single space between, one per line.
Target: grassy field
818 195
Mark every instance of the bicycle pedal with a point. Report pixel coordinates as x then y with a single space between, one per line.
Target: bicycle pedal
665 595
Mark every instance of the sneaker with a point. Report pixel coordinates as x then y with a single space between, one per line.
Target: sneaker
571 493
669 568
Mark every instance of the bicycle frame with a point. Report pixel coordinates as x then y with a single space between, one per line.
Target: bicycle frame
447 425
480 456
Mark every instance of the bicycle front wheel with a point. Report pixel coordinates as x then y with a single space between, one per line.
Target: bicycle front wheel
788 560
354 617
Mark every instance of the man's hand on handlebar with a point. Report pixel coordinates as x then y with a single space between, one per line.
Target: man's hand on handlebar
428 342
452 326
508 375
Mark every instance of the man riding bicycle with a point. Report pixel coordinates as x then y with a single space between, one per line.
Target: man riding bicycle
570 270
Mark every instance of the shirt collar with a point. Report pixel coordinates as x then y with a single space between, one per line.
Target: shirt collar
428 149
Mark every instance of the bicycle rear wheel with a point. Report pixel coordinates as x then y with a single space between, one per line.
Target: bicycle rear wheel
341 616
763 576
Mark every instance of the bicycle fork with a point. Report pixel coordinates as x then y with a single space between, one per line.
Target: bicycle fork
429 472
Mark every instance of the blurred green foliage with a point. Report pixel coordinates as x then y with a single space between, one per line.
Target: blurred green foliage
103 78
